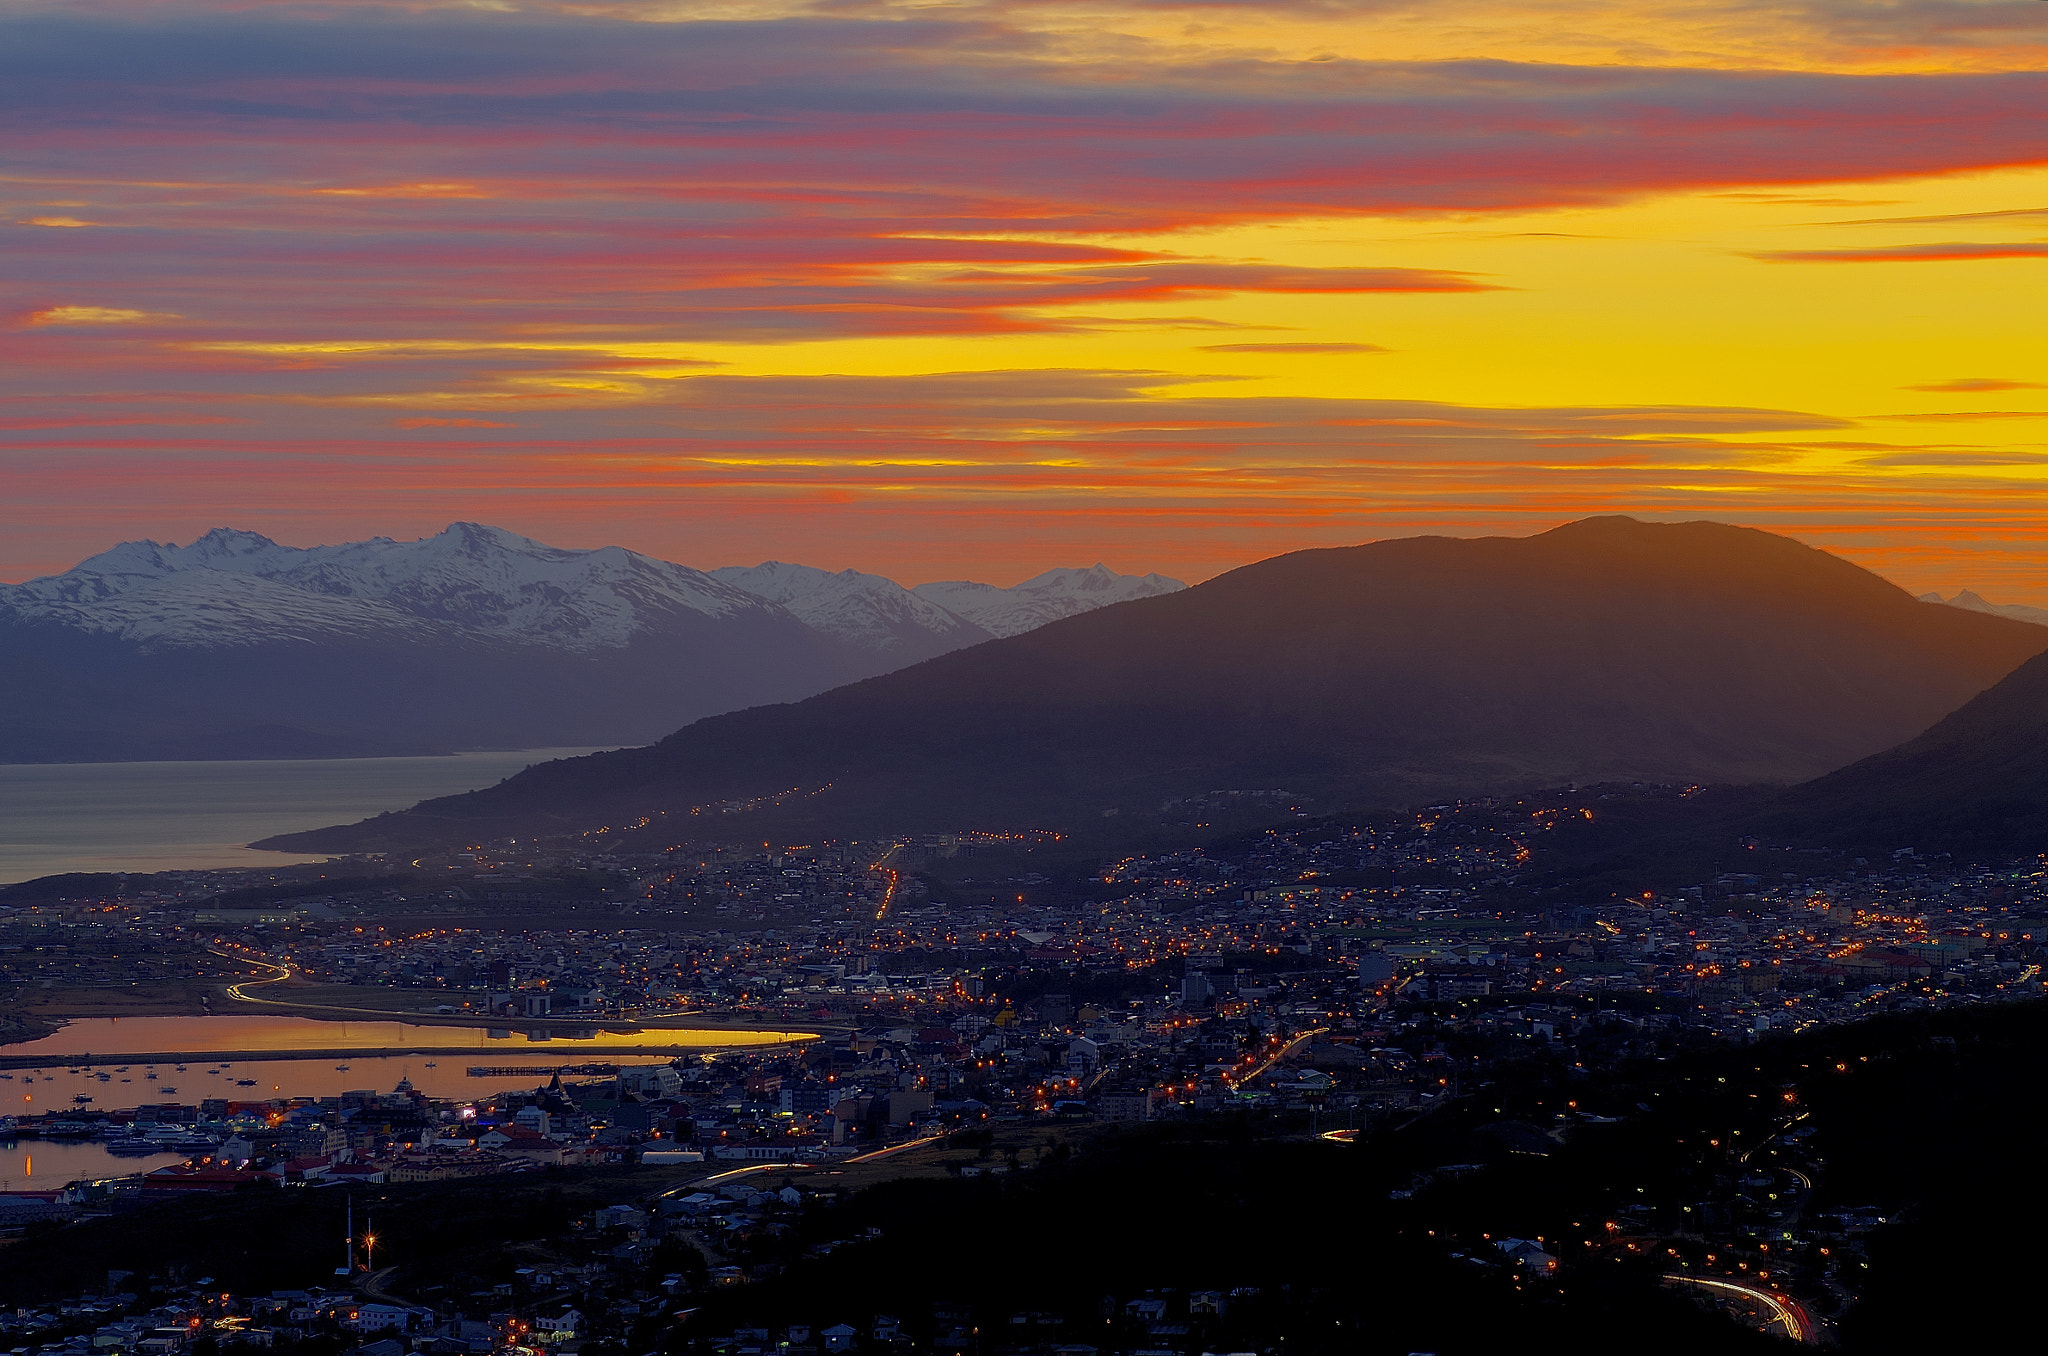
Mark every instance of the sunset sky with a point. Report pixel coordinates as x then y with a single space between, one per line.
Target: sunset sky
974 289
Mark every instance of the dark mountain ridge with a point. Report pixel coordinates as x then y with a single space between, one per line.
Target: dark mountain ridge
1976 783
1395 671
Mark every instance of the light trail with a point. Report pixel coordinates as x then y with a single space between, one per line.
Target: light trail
1782 1311
234 991
1282 1053
751 1167
881 864
895 1149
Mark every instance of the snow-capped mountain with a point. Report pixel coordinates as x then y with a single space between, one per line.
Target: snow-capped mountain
1971 602
236 646
865 609
1043 598
234 588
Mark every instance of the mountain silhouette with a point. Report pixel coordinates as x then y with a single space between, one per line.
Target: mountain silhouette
1398 671
1976 783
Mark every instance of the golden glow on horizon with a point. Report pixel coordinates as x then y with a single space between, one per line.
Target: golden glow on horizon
1263 310
1842 35
1656 302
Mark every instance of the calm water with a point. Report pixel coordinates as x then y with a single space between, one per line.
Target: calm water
33 1165
378 1059
173 816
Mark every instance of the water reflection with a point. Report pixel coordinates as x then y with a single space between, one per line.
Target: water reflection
232 1031
354 1056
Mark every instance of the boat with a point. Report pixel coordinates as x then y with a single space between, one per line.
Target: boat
163 1139
245 1082
341 1068
181 1068
81 1098
150 1074
165 1088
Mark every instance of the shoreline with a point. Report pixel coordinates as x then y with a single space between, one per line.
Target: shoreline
602 1055
19 1028
223 1000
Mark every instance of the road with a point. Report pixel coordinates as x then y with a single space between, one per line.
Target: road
881 864
282 973
894 1149
1282 1053
370 1285
1785 1313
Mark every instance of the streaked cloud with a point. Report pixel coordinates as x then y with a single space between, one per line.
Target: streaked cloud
95 315
1947 252
1975 384
1302 348
761 275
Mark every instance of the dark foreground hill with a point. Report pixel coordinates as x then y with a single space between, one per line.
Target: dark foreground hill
1400 670
1976 783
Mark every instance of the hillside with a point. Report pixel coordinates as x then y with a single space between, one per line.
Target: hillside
1043 598
1399 670
1976 783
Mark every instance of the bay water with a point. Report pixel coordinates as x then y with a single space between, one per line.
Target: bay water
57 817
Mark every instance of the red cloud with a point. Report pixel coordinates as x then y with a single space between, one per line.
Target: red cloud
1973 384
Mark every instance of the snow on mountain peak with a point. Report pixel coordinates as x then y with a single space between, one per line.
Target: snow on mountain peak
1043 598
866 609
233 587
1970 601
477 579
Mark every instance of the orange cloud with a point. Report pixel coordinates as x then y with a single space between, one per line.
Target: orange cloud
1975 384
1292 348
1951 252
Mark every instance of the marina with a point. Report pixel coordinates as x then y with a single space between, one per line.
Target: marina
100 1068
127 1043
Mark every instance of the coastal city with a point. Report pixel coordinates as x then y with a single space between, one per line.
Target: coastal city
934 1006
1130 678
